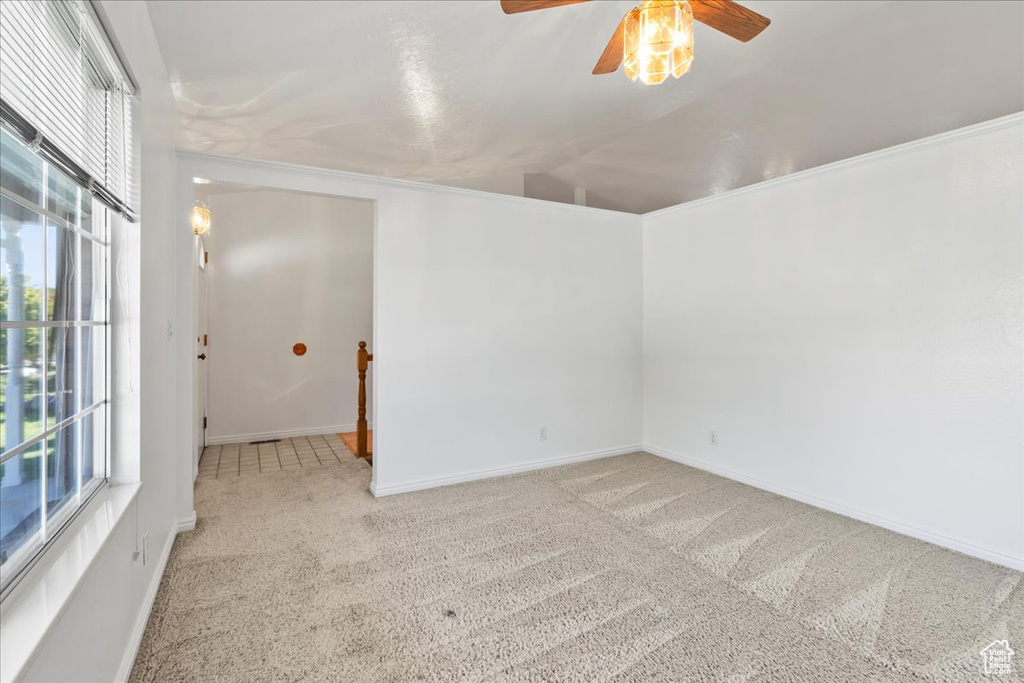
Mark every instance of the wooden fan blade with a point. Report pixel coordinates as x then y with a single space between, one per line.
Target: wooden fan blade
730 18
517 6
612 55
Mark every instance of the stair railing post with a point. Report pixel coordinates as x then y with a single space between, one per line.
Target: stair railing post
362 362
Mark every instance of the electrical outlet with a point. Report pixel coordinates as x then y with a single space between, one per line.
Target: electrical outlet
145 547
714 438
543 433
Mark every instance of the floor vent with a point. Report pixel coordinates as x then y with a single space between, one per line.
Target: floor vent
255 443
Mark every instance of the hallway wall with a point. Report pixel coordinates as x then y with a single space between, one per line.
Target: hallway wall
494 317
286 267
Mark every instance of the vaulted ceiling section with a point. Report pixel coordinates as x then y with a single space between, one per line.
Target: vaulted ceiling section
459 93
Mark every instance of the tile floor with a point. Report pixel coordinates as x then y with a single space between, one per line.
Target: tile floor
246 459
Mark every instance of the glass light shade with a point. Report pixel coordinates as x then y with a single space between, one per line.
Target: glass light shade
658 40
200 219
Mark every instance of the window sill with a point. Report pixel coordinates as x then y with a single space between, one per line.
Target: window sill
36 604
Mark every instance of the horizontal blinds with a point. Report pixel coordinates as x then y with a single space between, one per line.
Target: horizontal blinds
64 93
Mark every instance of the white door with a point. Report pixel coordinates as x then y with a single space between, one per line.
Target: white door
202 346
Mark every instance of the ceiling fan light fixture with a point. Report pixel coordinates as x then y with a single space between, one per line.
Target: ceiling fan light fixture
658 40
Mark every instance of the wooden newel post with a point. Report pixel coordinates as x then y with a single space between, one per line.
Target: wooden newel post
362 363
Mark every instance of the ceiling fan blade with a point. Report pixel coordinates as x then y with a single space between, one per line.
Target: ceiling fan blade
612 55
730 18
517 6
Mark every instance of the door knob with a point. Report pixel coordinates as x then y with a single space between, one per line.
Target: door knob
201 356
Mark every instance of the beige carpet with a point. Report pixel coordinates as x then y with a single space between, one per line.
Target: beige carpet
625 569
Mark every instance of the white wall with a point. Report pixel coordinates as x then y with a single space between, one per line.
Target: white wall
499 317
286 267
494 316
103 622
854 337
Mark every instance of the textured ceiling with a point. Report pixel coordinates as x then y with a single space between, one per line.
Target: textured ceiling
459 93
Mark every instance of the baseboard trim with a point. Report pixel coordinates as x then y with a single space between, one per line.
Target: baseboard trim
950 542
187 524
380 491
285 434
135 640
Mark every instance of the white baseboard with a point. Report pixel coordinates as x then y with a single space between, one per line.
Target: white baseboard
950 542
392 489
286 434
124 672
187 524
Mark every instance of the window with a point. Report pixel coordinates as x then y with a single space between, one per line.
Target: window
67 162
53 351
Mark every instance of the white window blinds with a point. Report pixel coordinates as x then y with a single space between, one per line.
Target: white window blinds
64 92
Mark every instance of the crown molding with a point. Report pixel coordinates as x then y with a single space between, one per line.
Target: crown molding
1007 121
380 181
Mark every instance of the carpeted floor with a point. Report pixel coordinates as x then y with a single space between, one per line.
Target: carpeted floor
625 569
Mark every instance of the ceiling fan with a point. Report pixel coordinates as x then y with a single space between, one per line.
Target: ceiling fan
655 38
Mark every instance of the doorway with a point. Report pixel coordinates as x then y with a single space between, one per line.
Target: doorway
202 341
283 296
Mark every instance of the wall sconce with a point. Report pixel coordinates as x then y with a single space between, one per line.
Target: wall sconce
201 219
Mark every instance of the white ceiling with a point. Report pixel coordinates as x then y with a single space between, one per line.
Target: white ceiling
460 93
